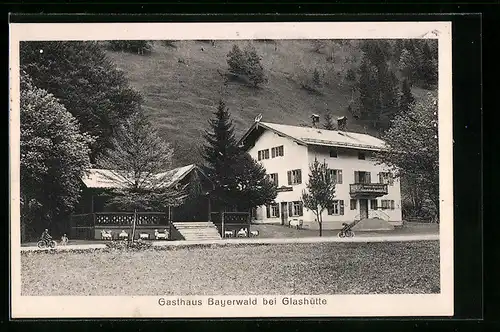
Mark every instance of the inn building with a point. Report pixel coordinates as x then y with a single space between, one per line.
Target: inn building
364 189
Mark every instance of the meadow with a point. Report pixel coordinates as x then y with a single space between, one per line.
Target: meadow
325 268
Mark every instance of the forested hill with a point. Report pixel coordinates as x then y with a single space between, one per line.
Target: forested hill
181 82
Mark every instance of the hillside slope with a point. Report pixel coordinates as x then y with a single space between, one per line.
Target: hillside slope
181 83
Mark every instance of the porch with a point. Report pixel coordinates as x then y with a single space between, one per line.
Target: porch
89 226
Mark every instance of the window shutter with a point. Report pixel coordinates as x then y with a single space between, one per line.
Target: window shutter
299 176
259 155
301 208
391 179
268 211
289 177
341 209
380 178
273 152
392 204
356 176
368 177
282 150
339 176
290 209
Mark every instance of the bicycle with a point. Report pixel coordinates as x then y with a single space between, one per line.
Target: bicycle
346 231
46 244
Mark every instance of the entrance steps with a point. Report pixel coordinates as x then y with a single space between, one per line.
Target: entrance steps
196 230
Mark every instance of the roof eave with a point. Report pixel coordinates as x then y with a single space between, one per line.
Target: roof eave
257 124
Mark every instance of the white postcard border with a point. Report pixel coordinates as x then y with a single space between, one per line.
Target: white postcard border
148 306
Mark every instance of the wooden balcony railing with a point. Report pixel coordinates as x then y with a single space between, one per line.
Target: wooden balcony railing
118 219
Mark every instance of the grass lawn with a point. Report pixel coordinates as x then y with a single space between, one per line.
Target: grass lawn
278 231
327 268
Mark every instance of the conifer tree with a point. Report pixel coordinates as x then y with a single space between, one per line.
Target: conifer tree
220 151
138 160
406 99
239 181
254 68
328 125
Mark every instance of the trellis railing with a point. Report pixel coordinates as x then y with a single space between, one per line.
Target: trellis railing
231 221
84 225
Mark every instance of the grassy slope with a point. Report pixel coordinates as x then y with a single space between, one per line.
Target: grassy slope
327 268
181 86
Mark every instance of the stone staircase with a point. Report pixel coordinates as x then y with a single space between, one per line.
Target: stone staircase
197 231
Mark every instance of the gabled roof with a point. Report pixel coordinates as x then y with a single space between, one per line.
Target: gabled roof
108 179
316 136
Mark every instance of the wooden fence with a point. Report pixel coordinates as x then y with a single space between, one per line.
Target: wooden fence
231 221
84 226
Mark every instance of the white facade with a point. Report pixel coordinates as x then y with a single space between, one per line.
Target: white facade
298 156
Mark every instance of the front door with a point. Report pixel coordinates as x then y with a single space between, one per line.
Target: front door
284 213
363 209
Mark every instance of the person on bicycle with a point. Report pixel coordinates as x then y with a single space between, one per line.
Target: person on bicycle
46 236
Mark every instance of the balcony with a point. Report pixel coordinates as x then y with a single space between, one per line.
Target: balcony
368 190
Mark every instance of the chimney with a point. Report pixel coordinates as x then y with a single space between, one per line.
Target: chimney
342 123
315 120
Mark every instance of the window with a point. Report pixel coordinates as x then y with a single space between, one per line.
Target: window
362 177
333 153
274 178
263 154
295 177
295 209
361 155
353 204
337 208
336 175
277 151
373 204
386 178
273 210
387 204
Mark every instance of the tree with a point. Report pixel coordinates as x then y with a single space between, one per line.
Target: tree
407 65
236 61
138 161
328 125
239 181
378 87
54 157
220 152
253 186
85 81
406 100
412 147
247 64
320 192
428 66
254 68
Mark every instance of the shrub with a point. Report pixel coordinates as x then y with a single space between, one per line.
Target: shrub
129 245
140 47
316 77
170 43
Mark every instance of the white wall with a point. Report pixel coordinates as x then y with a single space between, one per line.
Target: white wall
347 161
295 157
300 157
